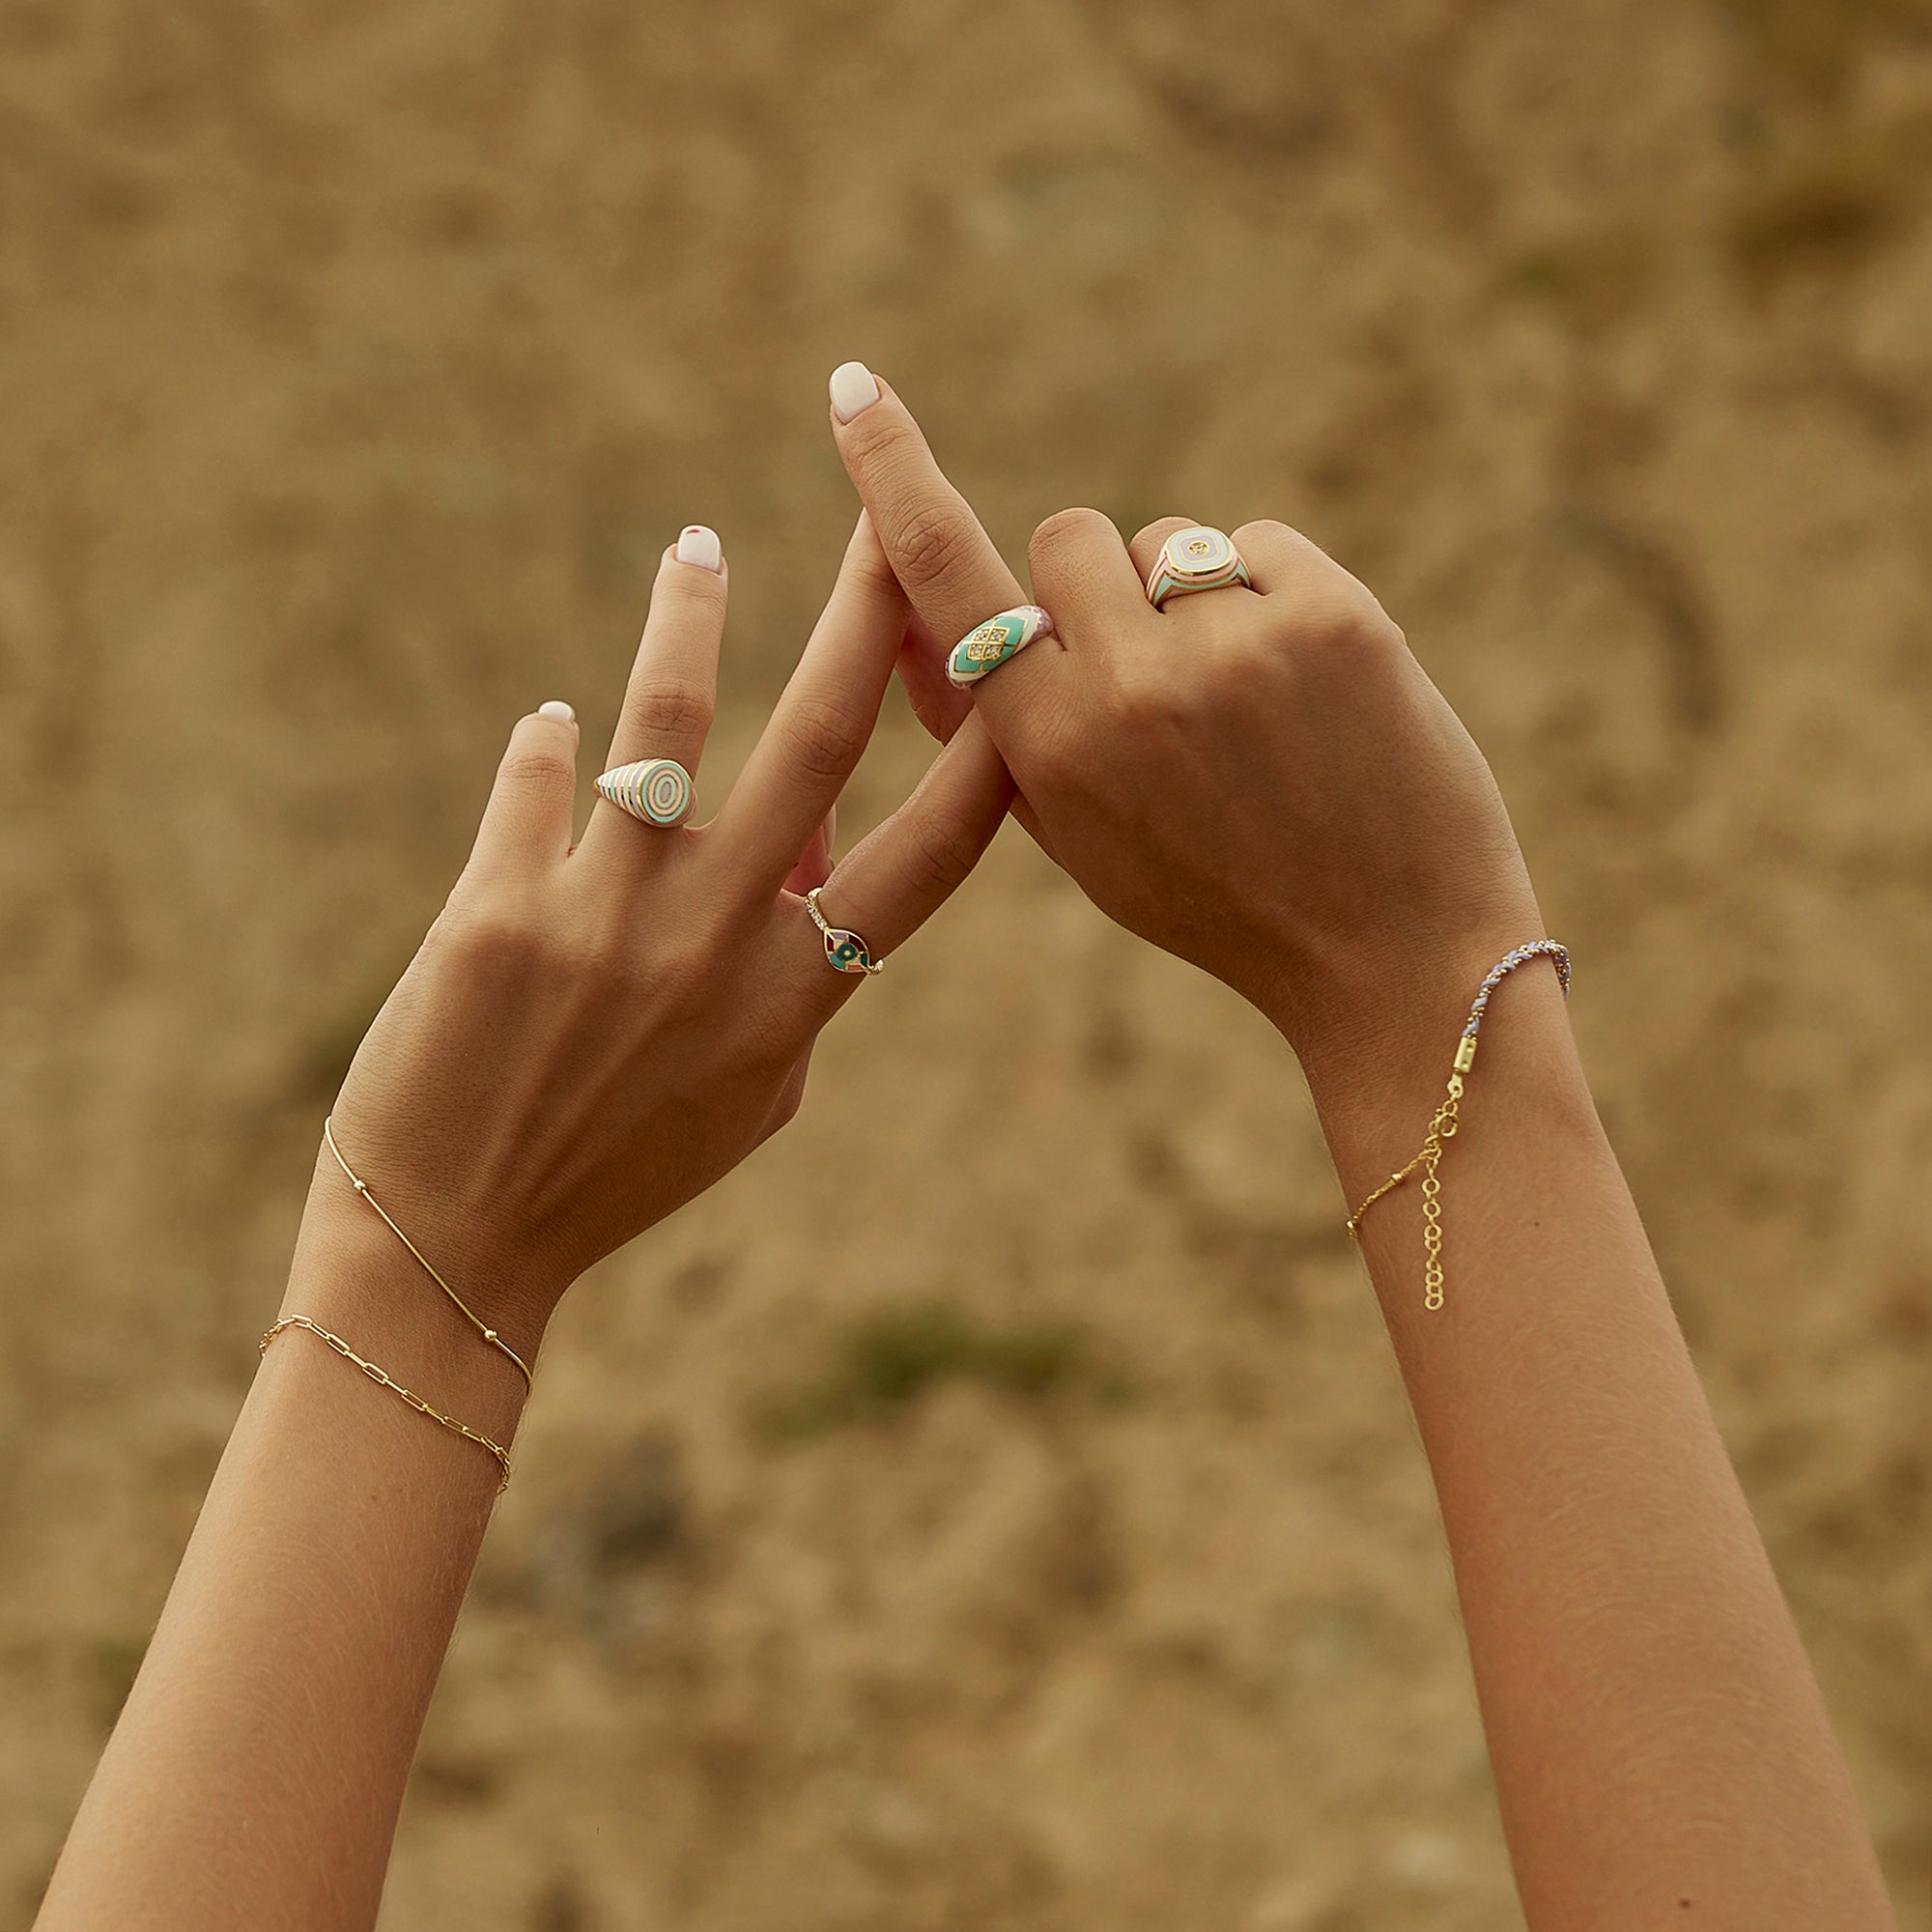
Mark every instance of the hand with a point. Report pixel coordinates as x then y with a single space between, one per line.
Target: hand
1262 780
590 1036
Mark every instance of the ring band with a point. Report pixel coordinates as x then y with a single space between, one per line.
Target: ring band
988 645
658 791
1197 558
845 950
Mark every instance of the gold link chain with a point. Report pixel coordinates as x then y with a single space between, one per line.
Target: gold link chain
388 1381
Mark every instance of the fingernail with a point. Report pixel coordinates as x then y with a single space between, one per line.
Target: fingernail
854 388
700 546
557 708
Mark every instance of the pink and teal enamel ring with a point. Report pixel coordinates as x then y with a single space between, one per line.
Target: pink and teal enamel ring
988 646
845 950
1199 558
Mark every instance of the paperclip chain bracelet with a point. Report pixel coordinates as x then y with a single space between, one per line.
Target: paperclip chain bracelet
482 1327
388 1381
1442 1128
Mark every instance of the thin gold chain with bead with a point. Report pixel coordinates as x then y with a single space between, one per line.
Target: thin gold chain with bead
1442 1128
388 1381
476 1320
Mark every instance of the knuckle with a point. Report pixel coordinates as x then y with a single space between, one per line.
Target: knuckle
1141 702
823 738
527 767
1063 530
670 710
499 936
1052 760
942 853
929 544
1047 769
682 977
1268 530
1151 537
1345 616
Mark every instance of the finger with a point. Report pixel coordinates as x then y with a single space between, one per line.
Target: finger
937 702
941 707
527 822
673 688
1081 572
815 863
1281 559
823 722
953 576
898 876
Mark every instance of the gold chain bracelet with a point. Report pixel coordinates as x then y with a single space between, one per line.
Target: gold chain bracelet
1442 1128
388 1381
482 1327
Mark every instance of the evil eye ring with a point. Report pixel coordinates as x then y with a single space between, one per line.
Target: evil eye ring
1198 559
656 791
844 951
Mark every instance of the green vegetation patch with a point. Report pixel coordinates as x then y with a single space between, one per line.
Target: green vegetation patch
888 1360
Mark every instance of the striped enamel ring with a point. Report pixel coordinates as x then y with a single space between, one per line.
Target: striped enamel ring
657 791
1199 558
988 645
845 950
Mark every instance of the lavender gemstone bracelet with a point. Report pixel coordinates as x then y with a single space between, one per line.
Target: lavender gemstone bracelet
1442 1128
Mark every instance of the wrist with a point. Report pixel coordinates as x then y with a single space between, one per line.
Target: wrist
352 1275
1378 1076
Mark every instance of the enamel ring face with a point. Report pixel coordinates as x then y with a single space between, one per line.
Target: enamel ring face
845 950
1200 559
988 646
658 791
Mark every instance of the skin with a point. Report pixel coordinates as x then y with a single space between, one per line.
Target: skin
1261 780
588 1038
1265 782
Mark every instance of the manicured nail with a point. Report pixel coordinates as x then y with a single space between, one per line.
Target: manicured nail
700 546
557 708
854 388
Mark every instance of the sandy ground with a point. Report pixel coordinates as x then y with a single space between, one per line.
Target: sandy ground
994 1506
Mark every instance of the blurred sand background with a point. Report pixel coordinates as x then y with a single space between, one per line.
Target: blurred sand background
993 1507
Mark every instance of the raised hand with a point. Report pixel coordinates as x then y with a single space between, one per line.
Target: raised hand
591 1035
1260 779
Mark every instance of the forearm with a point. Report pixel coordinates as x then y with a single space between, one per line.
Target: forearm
256 1772
1659 1745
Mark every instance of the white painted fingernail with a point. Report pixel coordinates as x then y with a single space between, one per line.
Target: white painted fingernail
557 708
854 388
700 546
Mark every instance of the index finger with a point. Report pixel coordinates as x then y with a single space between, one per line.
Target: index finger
952 574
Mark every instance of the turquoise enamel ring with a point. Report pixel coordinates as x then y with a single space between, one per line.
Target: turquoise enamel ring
988 645
845 950
657 791
1193 559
